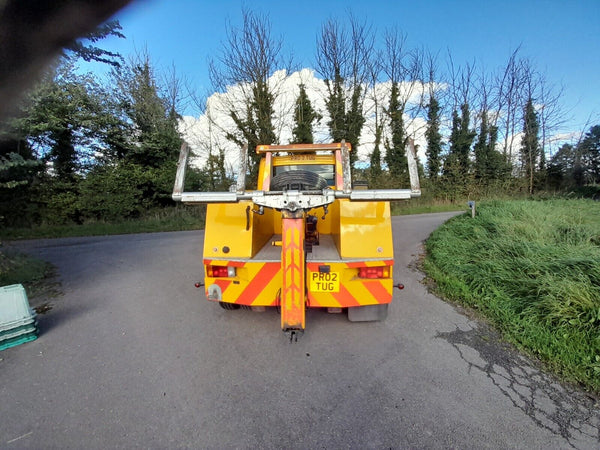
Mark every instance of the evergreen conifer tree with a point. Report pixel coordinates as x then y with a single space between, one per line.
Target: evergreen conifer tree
530 145
395 156
434 138
304 116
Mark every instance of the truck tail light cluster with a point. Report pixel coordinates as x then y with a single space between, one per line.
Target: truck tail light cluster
374 272
220 271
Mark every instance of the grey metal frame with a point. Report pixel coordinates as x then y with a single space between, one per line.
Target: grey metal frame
295 200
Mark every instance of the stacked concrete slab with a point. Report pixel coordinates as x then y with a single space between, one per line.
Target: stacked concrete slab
17 319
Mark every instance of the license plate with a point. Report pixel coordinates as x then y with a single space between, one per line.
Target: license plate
325 282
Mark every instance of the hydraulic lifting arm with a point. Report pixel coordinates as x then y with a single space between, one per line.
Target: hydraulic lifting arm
293 295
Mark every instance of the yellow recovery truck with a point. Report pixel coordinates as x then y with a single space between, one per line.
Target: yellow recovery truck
303 239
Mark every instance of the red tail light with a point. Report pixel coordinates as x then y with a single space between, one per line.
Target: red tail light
374 272
220 271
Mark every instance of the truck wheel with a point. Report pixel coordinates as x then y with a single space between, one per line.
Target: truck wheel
229 306
369 313
299 180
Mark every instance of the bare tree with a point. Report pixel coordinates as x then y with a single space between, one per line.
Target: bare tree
247 60
332 64
343 60
509 101
489 165
552 115
376 96
174 92
434 113
404 71
457 162
461 83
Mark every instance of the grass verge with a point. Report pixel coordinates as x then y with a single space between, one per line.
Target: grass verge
34 274
426 206
168 219
17 267
533 268
37 276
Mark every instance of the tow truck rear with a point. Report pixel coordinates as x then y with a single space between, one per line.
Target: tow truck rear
303 239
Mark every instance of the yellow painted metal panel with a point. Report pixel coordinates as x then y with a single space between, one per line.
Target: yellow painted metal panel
262 228
334 222
365 230
226 234
303 159
261 173
264 170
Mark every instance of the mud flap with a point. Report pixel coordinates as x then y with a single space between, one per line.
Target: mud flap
369 313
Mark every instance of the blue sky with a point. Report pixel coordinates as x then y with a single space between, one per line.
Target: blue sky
562 38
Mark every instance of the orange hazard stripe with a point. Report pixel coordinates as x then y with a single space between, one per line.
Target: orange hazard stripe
344 297
292 266
357 292
266 181
260 280
339 174
378 291
223 284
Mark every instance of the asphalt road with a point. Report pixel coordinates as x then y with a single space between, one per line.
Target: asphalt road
132 355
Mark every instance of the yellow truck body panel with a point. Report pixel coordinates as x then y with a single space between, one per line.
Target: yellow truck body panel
355 234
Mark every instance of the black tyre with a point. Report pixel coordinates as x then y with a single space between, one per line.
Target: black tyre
298 180
229 306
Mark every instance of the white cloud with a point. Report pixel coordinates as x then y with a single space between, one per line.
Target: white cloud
207 133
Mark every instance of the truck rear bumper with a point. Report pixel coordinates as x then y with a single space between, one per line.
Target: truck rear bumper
331 282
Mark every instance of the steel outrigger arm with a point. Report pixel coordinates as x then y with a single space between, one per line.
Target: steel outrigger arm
306 200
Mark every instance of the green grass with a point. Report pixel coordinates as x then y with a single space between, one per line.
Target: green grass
169 219
35 275
426 206
19 268
533 268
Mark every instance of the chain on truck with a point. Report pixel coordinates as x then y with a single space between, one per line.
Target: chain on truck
303 239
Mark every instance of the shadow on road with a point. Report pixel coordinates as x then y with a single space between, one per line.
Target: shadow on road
59 317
